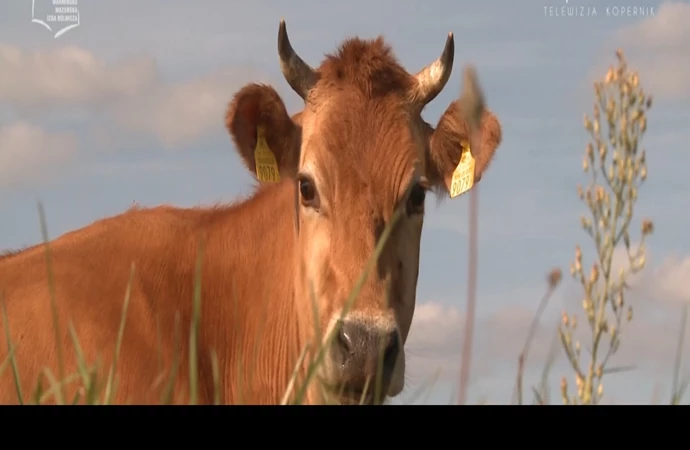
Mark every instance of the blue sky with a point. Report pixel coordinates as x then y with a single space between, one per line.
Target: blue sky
128 107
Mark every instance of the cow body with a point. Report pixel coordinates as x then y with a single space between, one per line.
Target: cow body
246 256
276 268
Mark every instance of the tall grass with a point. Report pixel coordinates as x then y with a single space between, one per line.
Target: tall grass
616 163
617 167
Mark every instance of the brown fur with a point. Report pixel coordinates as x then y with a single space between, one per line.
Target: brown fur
366 65
10 253
6 254
363 138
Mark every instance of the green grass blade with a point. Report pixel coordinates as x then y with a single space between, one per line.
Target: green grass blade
53 301
167 394
109 393
215 370
10 352
677 389
194 332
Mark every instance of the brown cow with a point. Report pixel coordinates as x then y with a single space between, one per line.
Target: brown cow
278 267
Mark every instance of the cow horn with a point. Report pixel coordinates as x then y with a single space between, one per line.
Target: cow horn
432 79
299 75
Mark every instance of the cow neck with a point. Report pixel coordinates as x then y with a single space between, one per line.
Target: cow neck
254 245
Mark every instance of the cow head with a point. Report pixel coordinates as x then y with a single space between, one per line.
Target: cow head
358 151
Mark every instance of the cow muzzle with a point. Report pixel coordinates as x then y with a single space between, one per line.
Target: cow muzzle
363 360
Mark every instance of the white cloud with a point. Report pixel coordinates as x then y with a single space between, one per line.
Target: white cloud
27 151
436 339
664 281
178 113
649 344
659 281
673 275
660 47
69 77
131 91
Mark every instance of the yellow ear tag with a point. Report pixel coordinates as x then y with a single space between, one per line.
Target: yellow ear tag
265 161
463 176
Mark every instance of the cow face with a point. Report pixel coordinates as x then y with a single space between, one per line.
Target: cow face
362 161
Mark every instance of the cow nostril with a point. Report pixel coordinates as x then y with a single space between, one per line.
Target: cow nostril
390 356
345 340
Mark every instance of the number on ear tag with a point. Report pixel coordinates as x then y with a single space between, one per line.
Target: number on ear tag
265 161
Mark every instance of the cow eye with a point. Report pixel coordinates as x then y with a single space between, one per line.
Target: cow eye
307 191
415 202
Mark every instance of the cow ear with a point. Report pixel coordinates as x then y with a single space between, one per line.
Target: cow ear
451 138
257 115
